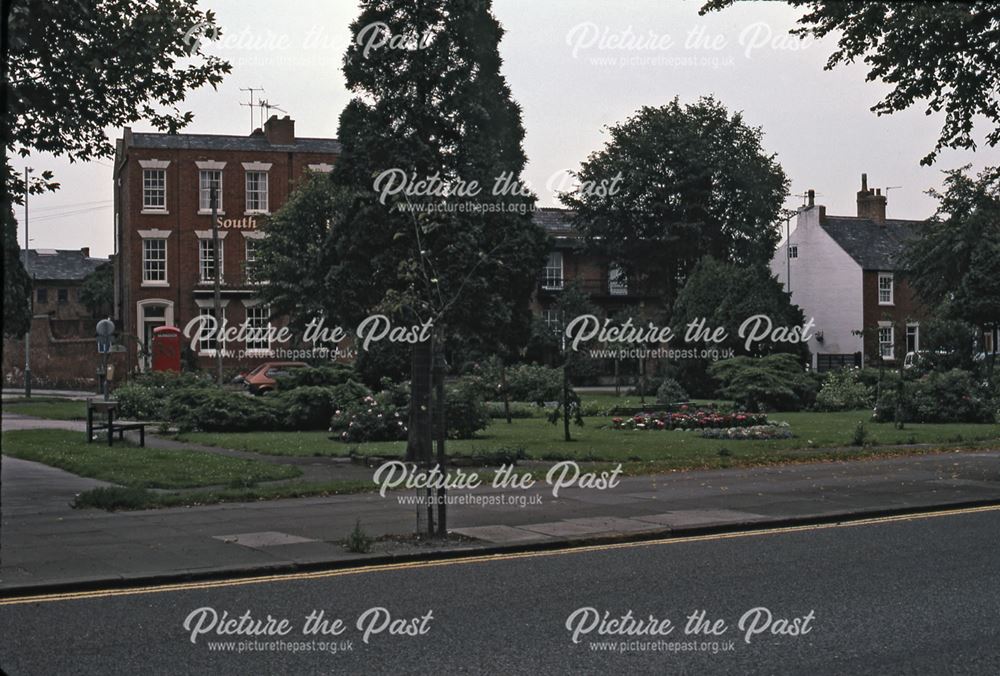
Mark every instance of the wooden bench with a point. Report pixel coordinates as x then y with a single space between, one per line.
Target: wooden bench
108 424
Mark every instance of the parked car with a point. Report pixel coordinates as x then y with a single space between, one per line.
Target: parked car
264 378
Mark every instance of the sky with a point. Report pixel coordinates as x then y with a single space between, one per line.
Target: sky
575 67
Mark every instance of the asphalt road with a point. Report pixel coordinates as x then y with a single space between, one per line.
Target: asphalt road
914 596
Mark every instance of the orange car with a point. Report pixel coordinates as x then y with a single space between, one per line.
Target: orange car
263 379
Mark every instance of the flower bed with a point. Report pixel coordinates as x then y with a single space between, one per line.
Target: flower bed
687 419
768 431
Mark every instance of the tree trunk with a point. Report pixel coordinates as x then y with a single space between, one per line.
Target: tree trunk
565 401
440 425
419 434
506 395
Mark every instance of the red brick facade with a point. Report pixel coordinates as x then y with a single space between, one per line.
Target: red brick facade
162 219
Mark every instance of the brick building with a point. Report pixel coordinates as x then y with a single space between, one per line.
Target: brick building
165 263
844 272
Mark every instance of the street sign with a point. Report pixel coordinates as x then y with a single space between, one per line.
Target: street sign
105 332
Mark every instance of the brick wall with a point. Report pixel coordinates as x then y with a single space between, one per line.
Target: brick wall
905 308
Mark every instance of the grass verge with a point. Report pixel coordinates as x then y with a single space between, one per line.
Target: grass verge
52 408
134 467
115 498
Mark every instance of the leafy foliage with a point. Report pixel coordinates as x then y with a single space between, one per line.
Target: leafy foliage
694 181
943 53
939 397
65 85
97 292
843 390
16 283
670 392
777 382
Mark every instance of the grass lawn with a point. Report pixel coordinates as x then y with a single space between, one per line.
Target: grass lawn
136 467
596 441
47 407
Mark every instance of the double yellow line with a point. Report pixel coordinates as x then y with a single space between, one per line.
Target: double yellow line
318 575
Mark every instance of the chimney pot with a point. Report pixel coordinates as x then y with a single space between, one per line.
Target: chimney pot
812 198
85 251
864 182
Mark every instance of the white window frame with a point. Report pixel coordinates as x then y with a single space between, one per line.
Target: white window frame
890 353
913 328
205 191
207 307
147 280
204 247
551 318
261 203
149 189
886 296
553 278
257 347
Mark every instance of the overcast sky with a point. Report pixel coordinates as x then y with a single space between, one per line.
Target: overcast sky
563 68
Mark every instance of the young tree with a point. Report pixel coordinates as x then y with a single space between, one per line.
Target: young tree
436 110
676 183
944 53
954 265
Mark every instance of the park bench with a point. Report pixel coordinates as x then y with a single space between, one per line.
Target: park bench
107 409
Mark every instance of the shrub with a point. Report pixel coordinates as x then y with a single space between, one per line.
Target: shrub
518 409
755 432
465 410
843 391
373 419
651 387
688 420
939 397
776 382
528 382
138 402
305 408
860 436
670 392
317 376
212 409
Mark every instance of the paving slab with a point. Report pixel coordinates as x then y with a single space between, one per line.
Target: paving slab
263 539
701 517
502 534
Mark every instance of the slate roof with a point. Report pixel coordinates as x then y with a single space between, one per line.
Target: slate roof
874 246
63 265
557 222
256 142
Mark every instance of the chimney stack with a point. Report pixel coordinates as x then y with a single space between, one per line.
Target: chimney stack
280 131
871 205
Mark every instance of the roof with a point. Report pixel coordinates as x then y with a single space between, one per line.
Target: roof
555 221
60 265
256 142
874 246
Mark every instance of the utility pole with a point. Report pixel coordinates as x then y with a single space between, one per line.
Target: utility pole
216 269
31 291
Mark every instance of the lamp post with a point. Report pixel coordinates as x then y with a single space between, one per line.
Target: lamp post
31 299
217 300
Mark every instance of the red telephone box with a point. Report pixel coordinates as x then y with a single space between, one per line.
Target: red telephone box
167 348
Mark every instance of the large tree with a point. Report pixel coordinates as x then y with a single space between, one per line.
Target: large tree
436 109
676 183
942 53
954 265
